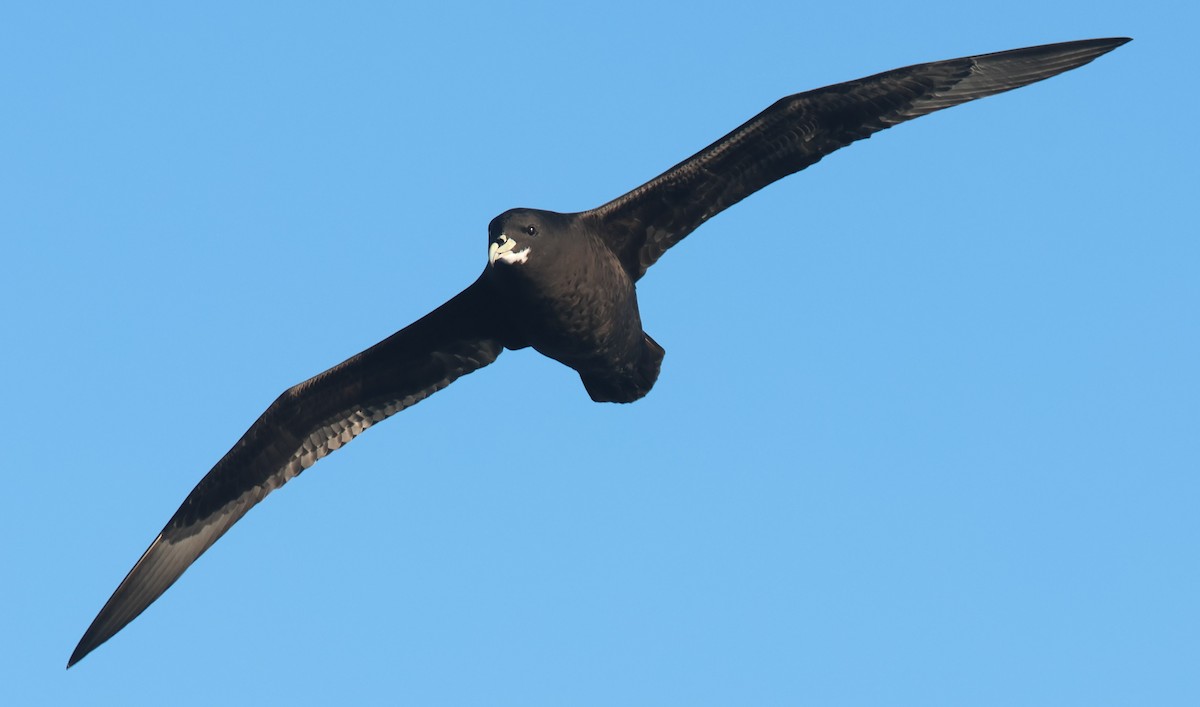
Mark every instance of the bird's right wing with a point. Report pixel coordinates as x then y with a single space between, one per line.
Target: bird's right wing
799 130
304 424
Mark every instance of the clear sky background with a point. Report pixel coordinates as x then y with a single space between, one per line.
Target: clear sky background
926 431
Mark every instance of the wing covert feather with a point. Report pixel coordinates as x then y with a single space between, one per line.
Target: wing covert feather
305 423
797 131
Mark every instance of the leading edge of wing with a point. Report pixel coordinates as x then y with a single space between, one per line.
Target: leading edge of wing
799 130
305 423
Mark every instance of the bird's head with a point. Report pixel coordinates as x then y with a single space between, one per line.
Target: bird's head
516 234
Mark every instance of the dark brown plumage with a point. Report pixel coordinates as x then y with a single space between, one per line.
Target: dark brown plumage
563 284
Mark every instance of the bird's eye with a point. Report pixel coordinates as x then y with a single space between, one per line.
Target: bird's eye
531 230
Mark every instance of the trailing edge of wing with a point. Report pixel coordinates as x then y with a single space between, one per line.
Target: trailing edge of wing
307 422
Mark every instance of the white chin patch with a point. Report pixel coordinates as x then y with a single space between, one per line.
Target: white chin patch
514 256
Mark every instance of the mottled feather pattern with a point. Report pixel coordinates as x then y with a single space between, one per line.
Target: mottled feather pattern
305 423
286 440
572 296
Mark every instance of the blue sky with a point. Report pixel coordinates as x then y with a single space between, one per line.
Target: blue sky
926 431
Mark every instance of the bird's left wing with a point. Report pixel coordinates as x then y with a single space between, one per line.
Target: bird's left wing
304 424
799 130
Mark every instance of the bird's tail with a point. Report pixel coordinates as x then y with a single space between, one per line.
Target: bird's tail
634 384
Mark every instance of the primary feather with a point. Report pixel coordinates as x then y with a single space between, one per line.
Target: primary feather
563 284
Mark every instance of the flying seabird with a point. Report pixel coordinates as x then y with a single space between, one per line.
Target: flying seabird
563 283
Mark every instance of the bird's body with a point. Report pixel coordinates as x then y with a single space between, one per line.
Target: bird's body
577 304
564 284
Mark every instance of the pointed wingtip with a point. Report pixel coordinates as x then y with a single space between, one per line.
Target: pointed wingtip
80 651
1104 45
75 658
1079 50
1114 42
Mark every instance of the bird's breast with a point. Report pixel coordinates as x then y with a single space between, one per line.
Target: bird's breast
581 313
